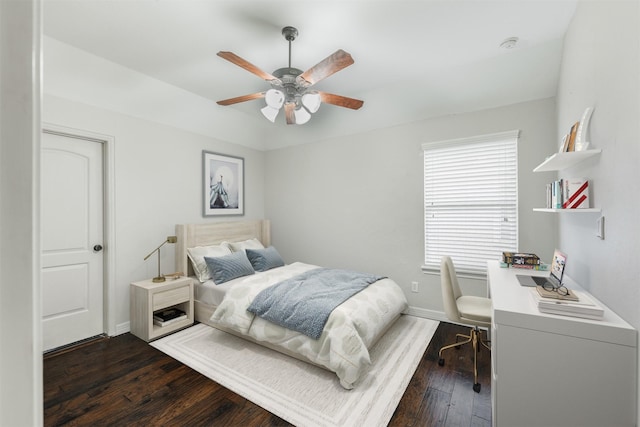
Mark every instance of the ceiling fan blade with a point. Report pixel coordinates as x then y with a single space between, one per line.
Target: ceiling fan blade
242 98
328 66
340 101
232 57
289 111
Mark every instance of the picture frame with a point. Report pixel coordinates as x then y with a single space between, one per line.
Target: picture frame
222 184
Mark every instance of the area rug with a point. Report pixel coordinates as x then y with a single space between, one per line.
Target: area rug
301 393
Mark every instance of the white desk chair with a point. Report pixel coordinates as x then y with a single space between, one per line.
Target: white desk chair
465 309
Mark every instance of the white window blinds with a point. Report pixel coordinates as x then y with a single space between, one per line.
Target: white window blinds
470 200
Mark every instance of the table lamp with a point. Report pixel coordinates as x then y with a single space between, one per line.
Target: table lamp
160 277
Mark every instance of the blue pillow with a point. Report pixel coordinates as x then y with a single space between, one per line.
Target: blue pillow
229 267
264 259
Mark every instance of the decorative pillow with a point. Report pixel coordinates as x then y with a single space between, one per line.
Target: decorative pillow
197 254
247 244
264 259
229 267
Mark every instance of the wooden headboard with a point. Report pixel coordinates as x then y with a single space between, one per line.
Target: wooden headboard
214 233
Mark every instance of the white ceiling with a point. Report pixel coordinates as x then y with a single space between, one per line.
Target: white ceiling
413 59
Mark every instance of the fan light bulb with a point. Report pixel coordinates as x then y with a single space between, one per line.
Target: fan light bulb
311 101
270 113
274 98
302 116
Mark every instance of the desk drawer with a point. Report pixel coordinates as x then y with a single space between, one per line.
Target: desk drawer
171 297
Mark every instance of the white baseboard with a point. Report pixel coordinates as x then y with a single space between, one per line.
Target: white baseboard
123 328
428 314
434 315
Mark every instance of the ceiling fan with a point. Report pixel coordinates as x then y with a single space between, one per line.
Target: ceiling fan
292 88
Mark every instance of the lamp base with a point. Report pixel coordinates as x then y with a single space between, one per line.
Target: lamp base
158 279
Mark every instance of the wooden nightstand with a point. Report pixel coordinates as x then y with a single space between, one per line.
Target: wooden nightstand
148 297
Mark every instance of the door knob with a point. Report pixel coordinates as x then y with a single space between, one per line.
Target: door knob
97 248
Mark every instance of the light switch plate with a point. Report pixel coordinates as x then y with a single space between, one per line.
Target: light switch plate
600 228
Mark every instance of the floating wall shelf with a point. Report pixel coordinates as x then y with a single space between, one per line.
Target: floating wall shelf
560 161
584 210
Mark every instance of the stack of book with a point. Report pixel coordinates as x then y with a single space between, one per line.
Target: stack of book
168 316
521 260
576 304
568 194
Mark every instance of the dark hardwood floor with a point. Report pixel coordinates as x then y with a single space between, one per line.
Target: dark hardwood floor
123 381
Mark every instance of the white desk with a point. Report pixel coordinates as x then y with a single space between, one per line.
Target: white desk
550 370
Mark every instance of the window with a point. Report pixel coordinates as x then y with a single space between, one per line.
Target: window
470 200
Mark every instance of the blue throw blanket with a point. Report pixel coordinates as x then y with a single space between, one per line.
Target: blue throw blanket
303 303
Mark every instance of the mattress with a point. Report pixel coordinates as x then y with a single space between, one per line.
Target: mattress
350 331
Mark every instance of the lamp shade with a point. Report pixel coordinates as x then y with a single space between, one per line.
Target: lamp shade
270 113
274 98
302 116
311 101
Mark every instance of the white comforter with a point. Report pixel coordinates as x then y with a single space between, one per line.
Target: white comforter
349 332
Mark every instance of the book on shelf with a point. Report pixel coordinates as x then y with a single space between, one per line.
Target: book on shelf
168 314
568 193
158 322
575 193
584 307
571 146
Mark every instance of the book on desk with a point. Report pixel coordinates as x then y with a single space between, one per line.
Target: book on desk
576 304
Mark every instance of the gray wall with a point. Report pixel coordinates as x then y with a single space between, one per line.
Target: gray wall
357 202
158 183
601 68
20 321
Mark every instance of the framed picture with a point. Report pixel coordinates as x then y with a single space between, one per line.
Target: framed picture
223 184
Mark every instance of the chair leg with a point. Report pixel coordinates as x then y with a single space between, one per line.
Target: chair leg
455 344
475 338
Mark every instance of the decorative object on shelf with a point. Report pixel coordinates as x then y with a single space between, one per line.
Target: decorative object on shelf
581 137
170 239
223 184
291 88
575 194
576 140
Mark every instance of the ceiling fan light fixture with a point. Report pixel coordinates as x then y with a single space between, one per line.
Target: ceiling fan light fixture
270 113
311 101
290 87
274 98
302 115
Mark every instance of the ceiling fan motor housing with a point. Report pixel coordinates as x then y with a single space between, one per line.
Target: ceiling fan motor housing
290 83
290 33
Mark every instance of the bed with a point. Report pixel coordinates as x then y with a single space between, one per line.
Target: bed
351 330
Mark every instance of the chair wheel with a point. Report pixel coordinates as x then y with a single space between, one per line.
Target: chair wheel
441 362
476 387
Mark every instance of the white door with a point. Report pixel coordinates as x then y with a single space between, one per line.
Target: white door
72 238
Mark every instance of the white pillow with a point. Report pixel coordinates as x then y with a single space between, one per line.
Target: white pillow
197 254
247 244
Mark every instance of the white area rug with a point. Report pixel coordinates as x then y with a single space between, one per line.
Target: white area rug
298 392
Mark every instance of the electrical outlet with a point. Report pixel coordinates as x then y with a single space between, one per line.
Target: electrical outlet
414 286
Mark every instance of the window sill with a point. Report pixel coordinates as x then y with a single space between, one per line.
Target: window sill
461 274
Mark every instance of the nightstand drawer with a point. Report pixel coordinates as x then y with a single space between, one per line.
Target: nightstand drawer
170 297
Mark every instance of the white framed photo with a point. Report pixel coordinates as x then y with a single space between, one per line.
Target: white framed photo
223 184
